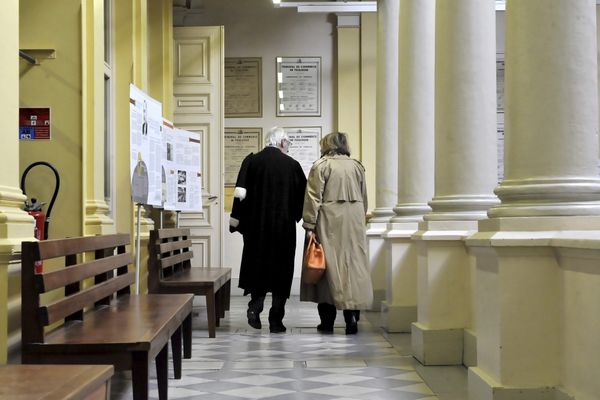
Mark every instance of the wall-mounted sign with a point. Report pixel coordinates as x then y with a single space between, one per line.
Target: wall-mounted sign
304 146
34 123
298 86
238 143
243 87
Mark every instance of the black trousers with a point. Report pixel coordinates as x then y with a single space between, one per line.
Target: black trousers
277 311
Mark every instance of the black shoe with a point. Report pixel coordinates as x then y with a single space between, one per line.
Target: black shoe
254 319
277 328
325 328
351 322
351 328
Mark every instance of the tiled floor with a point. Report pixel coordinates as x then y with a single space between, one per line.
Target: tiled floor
244 363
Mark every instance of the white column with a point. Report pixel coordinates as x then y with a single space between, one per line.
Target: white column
465 176
551 148
537 253
387 142
387 109
416 49
465 110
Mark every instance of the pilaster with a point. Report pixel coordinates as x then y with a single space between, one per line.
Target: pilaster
95 219
15 224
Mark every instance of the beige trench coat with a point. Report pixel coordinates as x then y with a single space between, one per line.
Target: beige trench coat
335 204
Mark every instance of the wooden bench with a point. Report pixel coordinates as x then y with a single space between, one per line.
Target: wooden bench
55 382
170 271
103 322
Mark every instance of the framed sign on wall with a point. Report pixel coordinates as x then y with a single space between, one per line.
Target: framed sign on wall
298 86
243 87
304 145
238 143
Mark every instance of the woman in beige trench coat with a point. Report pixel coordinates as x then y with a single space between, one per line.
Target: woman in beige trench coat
335 205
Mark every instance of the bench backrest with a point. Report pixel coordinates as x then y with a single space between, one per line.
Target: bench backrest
37 313
169 252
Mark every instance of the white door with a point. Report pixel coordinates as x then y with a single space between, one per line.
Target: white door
198 96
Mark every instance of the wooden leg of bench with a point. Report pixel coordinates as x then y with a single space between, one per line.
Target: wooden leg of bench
162 372
222 302
139 375
227 295
176 350
210 311
218 308
187 337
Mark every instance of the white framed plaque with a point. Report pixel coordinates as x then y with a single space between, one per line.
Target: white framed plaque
238 143
298 86
304 147
243 87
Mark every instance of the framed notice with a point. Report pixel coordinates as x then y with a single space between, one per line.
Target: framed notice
34 123
238 143
298 86
304 146
243 87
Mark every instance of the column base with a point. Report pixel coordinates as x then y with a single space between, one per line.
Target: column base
437 346
397 318
483 387
377 262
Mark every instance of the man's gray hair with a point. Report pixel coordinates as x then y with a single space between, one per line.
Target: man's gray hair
275 137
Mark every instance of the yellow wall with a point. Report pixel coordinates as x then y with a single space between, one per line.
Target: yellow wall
55 83
348 76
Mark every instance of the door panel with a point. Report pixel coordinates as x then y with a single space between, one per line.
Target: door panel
198 107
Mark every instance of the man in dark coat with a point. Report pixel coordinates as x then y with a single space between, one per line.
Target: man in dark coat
268 202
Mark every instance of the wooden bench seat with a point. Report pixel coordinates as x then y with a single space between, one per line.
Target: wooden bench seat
170 271
98 321
55 382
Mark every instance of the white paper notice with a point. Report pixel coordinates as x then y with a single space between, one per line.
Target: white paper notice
304 146
186 177
145 147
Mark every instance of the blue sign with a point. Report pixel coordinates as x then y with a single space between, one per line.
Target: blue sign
26 133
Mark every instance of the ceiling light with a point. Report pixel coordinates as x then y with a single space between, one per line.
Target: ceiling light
331 6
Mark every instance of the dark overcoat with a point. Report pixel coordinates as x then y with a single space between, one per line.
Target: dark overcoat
267 217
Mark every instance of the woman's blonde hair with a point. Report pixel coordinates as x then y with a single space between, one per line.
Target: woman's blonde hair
335 143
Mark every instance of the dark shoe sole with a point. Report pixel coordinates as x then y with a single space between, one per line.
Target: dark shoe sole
324 329
277 329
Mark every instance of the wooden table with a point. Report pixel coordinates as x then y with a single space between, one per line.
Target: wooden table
54 382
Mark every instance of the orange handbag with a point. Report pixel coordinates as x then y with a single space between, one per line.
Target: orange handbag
314 261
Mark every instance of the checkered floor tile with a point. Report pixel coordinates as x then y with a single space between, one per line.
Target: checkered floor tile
244 363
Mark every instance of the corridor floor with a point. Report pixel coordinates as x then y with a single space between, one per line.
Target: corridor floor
244 363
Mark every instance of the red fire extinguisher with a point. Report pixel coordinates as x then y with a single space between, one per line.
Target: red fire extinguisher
34 208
